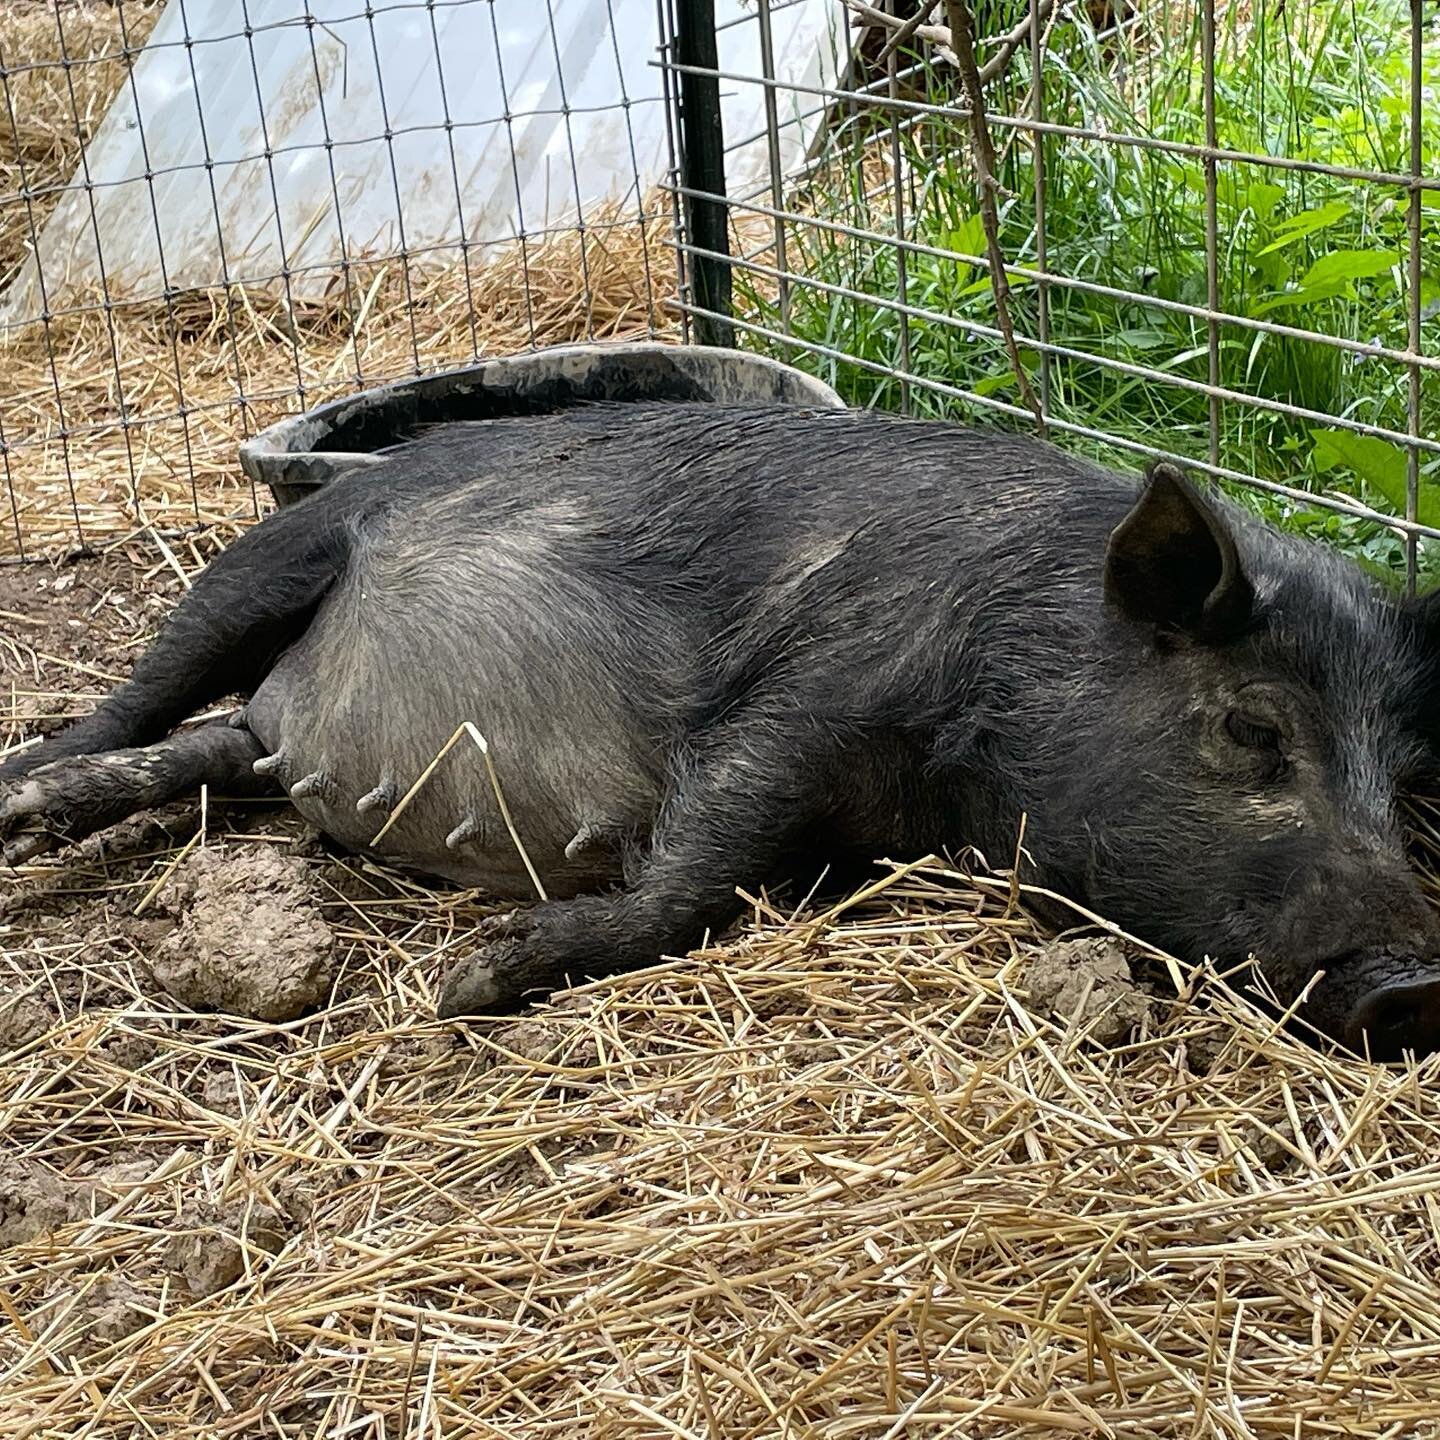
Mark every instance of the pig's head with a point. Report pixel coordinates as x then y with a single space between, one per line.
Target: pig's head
1241 779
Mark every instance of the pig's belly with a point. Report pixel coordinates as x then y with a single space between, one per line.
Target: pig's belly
366 700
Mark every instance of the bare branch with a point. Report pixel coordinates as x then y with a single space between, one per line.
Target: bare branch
957 12
940 37
908 31
1010 42
934 35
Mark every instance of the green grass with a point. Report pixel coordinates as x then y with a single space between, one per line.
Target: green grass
1326 82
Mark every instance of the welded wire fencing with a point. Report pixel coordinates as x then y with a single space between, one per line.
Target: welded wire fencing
214 213
1217 225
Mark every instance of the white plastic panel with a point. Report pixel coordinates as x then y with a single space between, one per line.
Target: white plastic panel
308 70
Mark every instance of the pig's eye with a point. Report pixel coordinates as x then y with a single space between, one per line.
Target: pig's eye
1253 734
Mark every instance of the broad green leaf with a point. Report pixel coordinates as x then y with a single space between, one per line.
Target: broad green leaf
1262 197
1349 265
966 238
1273 269
1307 222
1386 574
1141 337
1383 466
1429 297
982 285
991 383
1305 295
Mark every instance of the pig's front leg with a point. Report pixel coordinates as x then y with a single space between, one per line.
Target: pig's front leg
733 809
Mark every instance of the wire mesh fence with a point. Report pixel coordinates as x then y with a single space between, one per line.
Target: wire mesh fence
1216 221
212 214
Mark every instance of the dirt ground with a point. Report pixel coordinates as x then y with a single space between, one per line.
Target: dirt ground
68 635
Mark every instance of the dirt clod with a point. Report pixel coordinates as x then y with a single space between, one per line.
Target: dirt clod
1204 1051
115 1311
34 1200
529 1039
221 1093
209 1247
414 1054
1274 1146
118 1174
128 1051
1087 983
251 939
26 1019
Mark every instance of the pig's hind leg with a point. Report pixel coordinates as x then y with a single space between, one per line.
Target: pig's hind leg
250 603
65 800
733 813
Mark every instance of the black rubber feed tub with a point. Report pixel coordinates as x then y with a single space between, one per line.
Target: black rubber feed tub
297 455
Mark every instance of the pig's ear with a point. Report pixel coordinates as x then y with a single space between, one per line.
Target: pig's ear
1172 563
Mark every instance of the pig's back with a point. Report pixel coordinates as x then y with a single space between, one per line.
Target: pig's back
704 506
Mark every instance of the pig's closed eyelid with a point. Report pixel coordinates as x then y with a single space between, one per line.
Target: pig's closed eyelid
1253 732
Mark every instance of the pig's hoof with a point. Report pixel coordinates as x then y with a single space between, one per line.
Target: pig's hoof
27 847
66 800
31 820
477 984
503 925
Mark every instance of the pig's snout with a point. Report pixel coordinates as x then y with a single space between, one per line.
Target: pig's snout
1398 1015
1380 1001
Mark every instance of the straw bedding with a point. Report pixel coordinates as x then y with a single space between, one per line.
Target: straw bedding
900 1168
234 361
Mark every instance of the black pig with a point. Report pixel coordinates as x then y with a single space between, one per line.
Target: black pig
711 645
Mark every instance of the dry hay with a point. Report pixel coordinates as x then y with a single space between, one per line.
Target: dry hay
837 1178
209 349
176 474
48 111
843 1175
